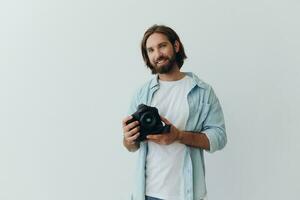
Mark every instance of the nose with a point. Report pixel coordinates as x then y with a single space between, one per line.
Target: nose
158 54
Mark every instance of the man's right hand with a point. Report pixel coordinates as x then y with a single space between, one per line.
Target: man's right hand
131 133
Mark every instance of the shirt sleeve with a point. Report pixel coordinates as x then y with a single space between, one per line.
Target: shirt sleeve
214 125
134 102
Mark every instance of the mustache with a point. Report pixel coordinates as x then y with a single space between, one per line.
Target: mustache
161 58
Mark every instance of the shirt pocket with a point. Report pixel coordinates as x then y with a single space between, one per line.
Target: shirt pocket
197 116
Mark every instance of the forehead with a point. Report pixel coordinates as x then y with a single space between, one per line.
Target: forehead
155 39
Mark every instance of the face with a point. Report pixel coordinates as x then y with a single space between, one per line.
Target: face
161 53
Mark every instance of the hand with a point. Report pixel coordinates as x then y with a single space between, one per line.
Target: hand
166 138
130 131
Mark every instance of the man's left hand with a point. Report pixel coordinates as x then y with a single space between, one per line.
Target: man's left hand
166 138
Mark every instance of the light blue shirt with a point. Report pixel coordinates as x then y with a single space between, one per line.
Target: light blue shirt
205 116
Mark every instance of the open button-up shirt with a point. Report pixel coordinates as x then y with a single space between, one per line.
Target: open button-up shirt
205 116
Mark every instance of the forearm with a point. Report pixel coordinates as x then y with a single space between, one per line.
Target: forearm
198 140
131 147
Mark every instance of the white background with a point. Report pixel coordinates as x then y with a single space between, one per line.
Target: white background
68 70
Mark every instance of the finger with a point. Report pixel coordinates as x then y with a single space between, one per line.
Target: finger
125 120
130 126
165 120
155 140
154 137
132 132
133 138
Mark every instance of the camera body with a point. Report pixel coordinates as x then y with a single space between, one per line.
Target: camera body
150 122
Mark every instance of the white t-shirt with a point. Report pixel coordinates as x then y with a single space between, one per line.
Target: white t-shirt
164 163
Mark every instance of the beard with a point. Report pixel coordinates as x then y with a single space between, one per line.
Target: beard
166 68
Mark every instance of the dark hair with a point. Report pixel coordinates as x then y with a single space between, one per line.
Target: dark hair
172 37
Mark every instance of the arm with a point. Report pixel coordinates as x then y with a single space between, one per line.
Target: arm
131 133
198 140
132 147
214 124
212 138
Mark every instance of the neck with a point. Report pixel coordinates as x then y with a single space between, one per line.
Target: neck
173 75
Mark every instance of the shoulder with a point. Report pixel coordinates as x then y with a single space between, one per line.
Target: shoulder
144 88
203 88
148 85
196 81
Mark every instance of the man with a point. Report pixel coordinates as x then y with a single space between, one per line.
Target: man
171 166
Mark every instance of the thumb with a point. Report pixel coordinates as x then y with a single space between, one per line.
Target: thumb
165 120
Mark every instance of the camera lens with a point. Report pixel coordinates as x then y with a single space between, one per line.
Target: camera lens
148 120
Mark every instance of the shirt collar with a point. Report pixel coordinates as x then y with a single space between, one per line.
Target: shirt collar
196 81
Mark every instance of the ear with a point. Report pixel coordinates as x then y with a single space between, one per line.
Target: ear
176 46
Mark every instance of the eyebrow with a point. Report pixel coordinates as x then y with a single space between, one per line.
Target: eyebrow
150 48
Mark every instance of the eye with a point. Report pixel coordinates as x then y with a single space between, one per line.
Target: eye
149 50
162 45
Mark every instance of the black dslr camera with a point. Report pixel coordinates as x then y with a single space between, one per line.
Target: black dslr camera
150 122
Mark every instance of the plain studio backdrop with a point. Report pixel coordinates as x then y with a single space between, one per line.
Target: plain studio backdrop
69 69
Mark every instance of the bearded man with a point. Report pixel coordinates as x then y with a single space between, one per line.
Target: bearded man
171 166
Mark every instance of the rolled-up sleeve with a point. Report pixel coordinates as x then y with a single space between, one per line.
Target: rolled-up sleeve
214 124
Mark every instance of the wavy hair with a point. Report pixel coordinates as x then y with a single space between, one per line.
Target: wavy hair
172 37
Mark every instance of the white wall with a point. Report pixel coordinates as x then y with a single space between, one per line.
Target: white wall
68 70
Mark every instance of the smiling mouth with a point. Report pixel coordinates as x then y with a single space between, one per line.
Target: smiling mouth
161 61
